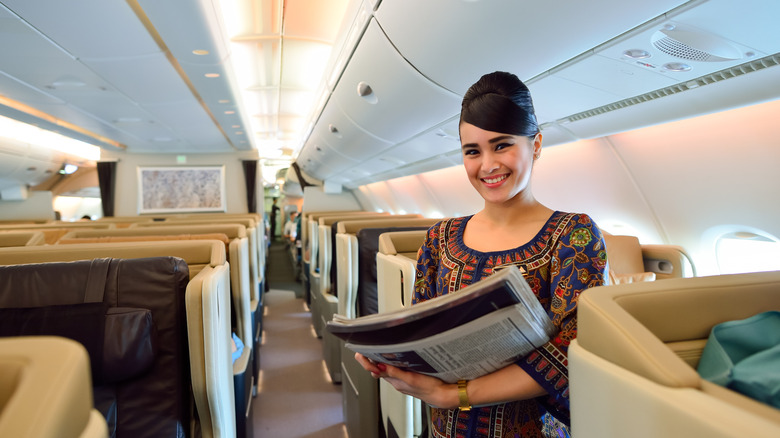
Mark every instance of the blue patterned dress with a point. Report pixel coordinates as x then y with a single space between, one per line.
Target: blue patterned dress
566 257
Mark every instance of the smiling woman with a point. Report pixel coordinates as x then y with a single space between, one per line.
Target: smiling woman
560 254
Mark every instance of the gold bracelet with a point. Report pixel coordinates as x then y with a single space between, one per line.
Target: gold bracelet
463 396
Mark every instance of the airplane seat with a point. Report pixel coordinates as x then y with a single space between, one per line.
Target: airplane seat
328 301
46 389
52 231
396 265
208 318
632 367
247 325
630 261
21 238
323 297
358 246
130 316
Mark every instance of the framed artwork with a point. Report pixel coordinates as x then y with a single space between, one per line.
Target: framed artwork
181 189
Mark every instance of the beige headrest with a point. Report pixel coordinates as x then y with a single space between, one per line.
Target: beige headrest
211 252
624 254
401 242
352 227
21 238
330 220
232 231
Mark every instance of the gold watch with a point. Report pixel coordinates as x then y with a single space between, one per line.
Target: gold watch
463 396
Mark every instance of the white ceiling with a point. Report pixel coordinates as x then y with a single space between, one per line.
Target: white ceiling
123 74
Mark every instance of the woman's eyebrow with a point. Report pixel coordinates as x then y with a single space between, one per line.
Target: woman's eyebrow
491 141
499 138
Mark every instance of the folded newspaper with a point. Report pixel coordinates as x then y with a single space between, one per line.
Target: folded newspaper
463 335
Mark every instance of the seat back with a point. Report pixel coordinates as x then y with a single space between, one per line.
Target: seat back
243 275
246 308
46 389
207 308
358 247
396 263
254 236
21 238
52 231
130 317
358 243
320 294
630 261
644 341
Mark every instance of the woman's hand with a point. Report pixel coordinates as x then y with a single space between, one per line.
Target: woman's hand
429 389
507 384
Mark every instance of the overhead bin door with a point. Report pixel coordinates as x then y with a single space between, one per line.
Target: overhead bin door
397 102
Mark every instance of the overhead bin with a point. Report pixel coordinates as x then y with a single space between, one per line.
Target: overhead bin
386 96
434 147
379 101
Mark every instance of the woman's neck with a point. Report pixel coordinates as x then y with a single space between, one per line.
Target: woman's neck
517 210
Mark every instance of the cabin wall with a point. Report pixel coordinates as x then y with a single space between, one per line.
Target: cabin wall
127 178
684 183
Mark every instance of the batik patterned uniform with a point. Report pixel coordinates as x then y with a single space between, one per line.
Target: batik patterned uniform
566 257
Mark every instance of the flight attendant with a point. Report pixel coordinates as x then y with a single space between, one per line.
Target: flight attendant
561 254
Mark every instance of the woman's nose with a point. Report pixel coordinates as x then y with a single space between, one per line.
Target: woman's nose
489 163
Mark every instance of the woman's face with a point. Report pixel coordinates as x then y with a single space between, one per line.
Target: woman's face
498 165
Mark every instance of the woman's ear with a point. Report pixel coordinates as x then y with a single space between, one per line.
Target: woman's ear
537 145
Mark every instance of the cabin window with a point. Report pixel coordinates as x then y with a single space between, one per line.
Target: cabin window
747 251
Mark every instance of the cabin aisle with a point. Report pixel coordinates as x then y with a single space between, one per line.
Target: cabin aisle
295 397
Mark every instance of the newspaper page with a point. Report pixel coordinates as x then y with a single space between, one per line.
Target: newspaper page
470 350
439 314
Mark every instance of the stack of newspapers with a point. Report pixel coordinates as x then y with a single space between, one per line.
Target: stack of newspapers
462 335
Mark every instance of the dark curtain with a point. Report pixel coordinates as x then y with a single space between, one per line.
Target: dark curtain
250 178
106 180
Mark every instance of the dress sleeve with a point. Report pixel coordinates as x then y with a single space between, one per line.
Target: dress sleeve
579 261
427 267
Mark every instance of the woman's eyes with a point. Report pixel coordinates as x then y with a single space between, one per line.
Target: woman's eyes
498 147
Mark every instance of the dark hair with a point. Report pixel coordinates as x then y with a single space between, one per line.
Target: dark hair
500 102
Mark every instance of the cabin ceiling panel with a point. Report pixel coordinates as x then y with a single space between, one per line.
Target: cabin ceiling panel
386 96
193 126
117 33
116 68
145 79
525 38
168 19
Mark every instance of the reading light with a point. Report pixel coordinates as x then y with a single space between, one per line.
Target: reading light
677 66
636 54
68 169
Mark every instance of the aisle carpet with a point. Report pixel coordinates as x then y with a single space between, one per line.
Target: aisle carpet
295 397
